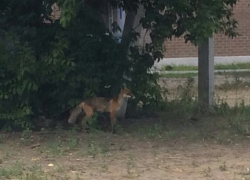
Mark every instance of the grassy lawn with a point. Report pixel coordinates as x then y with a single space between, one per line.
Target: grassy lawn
187 75
217 67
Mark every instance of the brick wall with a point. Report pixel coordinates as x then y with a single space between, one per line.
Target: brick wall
224 46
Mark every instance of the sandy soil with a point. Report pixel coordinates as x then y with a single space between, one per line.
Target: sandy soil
110 157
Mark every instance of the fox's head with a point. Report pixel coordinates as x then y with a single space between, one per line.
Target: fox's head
127 93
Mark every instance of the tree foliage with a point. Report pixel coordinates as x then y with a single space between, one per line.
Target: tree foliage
48 67
195 20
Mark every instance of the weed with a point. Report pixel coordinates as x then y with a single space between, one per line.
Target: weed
234 84
208 172
59 128
132 171
130 166
36 168
72 143
26 136
223 167
54 148
122 147
75 128
35 176
60 169
104 167
154 131
171 134
15 170
94 149
77 177
194 164
2 139
35 173
154 153
93 121
151 131
184 104
72 168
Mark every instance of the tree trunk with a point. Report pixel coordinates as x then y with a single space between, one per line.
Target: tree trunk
132 22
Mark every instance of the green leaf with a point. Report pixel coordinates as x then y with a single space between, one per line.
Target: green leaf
35 87
19 91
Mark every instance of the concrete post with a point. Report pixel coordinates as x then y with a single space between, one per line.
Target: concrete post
206 73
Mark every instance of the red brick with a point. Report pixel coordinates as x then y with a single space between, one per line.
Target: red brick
224 46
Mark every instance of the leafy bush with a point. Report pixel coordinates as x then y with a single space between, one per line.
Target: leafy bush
47 69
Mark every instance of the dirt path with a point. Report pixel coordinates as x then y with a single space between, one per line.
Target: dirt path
122 157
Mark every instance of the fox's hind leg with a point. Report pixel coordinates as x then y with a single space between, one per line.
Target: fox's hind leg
89 111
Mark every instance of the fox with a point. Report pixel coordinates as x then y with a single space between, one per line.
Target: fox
102 104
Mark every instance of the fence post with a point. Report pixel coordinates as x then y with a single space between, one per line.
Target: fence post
206 73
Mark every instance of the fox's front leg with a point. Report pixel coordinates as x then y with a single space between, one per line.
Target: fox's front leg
113 120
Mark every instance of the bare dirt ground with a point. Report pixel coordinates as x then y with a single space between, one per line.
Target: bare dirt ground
208 149
204 154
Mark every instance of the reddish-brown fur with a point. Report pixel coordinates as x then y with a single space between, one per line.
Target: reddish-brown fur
101 104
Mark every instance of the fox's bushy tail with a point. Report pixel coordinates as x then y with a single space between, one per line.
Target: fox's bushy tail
74 114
